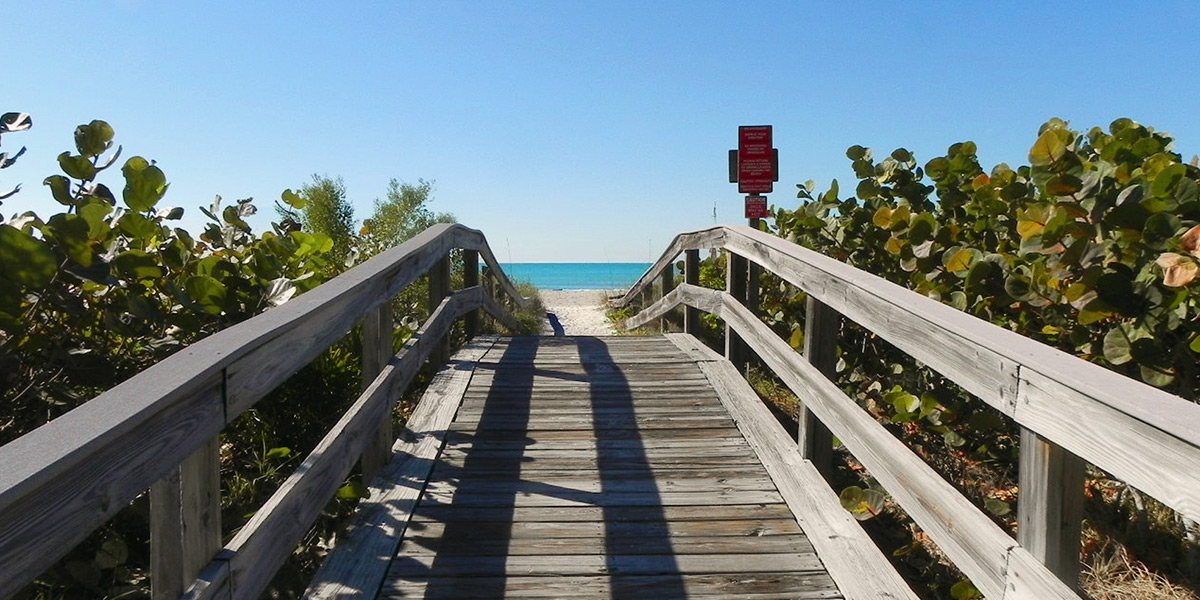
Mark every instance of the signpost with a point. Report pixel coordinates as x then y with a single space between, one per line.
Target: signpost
754 166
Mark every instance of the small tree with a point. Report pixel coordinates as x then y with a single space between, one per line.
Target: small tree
402 215
327 211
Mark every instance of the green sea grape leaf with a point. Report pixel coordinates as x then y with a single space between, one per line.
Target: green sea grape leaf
25 260
94 138
145 184
207 292
1048 148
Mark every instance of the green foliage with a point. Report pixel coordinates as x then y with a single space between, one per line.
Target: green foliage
325 210
401 215
94 295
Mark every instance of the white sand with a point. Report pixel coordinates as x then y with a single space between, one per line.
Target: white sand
579 312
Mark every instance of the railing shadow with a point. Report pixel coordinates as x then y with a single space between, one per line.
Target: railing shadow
472 553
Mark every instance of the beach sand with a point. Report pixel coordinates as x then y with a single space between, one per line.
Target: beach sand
579 312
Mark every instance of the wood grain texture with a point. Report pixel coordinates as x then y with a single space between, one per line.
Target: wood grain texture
265 541
855 563
1050 507
136 433
821 326
359 560
691 275
992 363
185 521
377 350
607 482
978 547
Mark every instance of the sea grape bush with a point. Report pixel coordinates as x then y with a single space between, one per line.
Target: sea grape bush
94 294
1091 248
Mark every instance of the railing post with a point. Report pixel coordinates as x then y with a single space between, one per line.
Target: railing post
821 325
735 284
668 284
691 276
185 521
471 279
439 288
753 274
376 352
1050 505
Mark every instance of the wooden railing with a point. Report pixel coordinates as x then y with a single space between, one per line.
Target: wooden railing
159 430
1069 410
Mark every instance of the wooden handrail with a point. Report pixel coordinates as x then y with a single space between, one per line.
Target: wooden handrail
1142 435
63 480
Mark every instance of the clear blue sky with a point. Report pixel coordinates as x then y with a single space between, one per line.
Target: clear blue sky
570 130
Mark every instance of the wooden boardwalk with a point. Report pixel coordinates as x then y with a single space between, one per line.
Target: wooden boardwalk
587 467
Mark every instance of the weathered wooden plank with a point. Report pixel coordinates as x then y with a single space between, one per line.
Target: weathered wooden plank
476 566
1143 454
735 286
739 586
569 497
984 359
976 545
265 541
359 559
68 477
691 270
1050 507
467 443
821 325
592 514
752 528
599 482
377 350
185 521
471 279
633 544
707 238
693 433
858 567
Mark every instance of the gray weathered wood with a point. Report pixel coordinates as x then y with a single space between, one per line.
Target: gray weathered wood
691 275
821 325
471 279
735 286
439 288
258 549
376 351
358 562
977 546
853 560
185 521
1050 505
666 284
986 360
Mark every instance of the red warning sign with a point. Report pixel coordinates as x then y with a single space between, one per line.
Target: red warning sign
755 168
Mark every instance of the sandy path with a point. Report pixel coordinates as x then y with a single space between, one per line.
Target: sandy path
579 312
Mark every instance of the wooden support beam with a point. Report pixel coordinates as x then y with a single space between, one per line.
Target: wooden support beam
821 324
439 288
668 284
735 284
753 274
376 352
470 279
185 521
1050 505
691 275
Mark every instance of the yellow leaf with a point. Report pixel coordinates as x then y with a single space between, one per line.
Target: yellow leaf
900 215
882 217
980 182
1028 229
960 261
893 245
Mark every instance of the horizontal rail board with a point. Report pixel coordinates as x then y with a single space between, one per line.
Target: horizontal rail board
976 545
53 494
1140 434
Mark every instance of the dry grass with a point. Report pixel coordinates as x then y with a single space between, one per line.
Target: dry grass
1112 574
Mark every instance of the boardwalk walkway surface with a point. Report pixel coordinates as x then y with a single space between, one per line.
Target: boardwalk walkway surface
583 467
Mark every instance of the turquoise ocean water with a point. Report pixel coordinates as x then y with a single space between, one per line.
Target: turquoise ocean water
576 276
